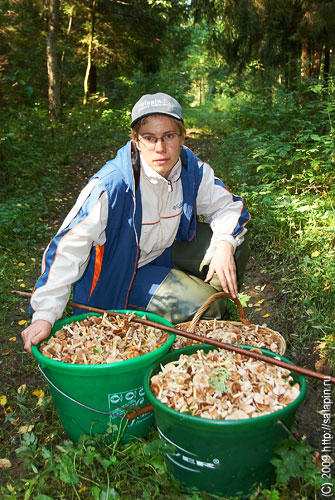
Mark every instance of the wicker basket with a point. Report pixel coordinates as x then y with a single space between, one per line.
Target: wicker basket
232 332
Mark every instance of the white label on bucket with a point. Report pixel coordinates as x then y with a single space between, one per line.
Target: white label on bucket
119 401
188 460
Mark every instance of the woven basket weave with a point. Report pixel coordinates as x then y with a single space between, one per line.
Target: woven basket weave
255 335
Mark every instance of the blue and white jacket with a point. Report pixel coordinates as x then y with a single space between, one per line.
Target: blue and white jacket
98 250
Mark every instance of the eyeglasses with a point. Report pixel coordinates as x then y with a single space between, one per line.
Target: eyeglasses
150 141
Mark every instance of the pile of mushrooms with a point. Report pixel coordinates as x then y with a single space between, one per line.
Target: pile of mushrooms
223 385
232 332
102 339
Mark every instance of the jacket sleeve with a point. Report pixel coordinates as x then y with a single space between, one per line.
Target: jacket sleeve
224 211
67 255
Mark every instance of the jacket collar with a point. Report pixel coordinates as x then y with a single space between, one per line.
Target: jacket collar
136 162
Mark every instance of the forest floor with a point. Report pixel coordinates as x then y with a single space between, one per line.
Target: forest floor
266 299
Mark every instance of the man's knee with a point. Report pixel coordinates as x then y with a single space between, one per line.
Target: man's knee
188 256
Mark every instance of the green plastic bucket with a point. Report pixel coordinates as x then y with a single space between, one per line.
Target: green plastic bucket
88 397
223 457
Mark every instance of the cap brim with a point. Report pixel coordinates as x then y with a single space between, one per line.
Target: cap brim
156 113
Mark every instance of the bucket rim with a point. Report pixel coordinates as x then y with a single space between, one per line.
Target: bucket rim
124 364
171 356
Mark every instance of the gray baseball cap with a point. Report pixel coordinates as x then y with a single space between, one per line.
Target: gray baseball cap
152 104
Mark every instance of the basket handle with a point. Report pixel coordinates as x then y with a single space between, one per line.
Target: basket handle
212 299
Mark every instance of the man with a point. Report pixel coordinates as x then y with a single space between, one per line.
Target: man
133 239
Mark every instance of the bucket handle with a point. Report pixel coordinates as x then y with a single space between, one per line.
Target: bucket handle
130 415
289 432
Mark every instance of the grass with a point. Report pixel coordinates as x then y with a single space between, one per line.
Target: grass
268 155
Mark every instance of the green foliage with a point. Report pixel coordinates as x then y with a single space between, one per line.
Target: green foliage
91 468
22 70
264 38
294 461
34 152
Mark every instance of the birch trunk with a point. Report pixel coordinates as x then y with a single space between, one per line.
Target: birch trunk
91 18
52 59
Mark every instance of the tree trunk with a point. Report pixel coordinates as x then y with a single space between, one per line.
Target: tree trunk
92 80
326 64
315 69
305 58
91 21
52 59
69 26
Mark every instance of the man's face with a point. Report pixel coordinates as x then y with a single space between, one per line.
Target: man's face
162 155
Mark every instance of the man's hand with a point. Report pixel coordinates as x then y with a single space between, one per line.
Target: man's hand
37 331
223 264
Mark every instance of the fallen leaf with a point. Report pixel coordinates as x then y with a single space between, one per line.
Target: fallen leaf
22 389
25 428
317 459
5 463
12 339
266 315
3 400
22 322
260 301
83 488
48 438
22 285
315 254
21 264
322 366
40 395
258 309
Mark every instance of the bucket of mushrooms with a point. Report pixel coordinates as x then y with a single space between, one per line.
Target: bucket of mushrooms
95 365
224 413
